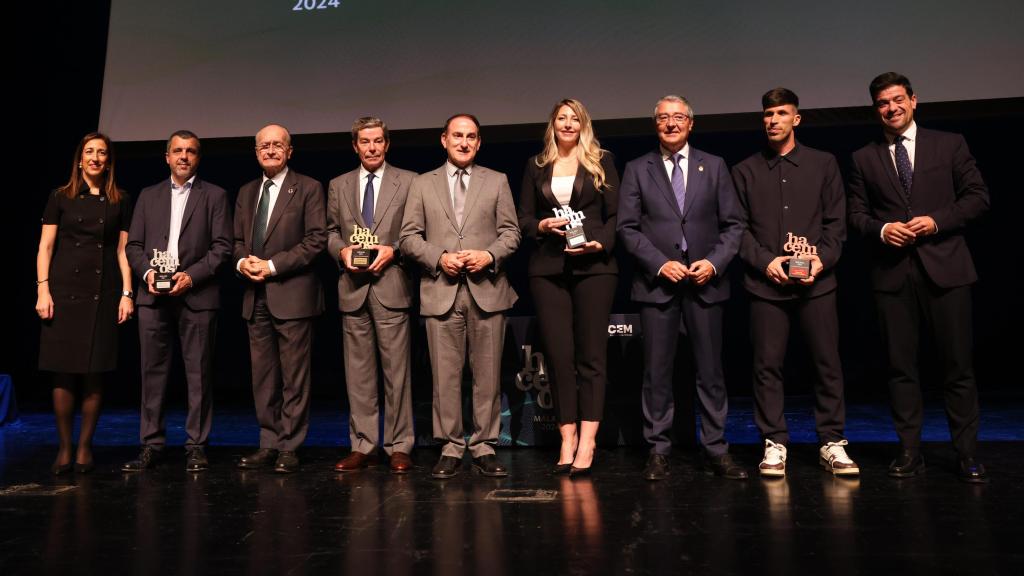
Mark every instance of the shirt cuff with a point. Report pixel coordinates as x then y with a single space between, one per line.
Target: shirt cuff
270 264
881 233
238 265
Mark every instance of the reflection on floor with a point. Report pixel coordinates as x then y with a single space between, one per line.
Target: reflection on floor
229 521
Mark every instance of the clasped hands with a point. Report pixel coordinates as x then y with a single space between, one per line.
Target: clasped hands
698 272
472 261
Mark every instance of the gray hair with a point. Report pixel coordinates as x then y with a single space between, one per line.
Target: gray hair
674 98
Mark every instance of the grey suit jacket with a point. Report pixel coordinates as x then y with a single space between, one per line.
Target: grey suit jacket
296 233
204 242
429 229
393 287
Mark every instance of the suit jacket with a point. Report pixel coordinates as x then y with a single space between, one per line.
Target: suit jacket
296 233
429 229
600 208
650 223
393 287
204 241
810 202
946 186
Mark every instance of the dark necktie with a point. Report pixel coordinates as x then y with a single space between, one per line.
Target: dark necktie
903 166
460 195
259 229
368 201
679 188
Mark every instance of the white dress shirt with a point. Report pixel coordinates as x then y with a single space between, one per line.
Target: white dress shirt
274 190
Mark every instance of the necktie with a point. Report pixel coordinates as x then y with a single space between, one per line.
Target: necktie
679 188
460 195
368 201
259 229
903 166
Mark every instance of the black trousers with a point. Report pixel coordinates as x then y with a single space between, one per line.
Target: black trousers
770 324
572 312
945 313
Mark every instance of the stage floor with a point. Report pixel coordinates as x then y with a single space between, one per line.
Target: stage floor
228 521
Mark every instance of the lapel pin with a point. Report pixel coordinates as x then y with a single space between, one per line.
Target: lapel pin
700 168
292 190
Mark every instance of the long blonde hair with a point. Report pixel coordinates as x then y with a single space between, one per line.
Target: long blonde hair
588 149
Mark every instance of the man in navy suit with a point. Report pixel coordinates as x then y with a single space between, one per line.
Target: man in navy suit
911 194
680 218
191 220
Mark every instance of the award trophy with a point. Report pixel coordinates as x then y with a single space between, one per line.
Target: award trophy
574 236
165 265
799 265
364 256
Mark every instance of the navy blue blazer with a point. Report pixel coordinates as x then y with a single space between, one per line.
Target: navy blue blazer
204 242
650 223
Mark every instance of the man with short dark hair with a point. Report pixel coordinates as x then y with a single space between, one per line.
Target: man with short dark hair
190 220
460 225
793 204
912 194
374 300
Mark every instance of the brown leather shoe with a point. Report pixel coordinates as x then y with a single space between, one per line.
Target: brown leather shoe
401 463
355 461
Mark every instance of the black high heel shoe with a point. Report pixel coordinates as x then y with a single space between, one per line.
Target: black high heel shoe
562 469
60 469
85 468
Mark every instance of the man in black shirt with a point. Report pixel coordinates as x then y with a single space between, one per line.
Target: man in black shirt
793 202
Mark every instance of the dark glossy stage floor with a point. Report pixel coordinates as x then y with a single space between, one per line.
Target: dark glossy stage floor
227 521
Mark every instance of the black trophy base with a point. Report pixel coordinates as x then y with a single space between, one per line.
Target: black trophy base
363 257
574 237
799 268
162 282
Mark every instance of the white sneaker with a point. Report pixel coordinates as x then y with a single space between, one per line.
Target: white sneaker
834 459
774 462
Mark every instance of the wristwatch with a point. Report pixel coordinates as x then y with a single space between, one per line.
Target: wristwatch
128 293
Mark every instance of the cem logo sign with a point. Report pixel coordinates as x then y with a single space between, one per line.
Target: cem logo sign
620 329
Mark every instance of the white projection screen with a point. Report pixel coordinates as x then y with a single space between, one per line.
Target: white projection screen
225 67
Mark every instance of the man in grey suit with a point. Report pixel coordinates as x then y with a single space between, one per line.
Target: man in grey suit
374 301
680 218
279 229
460 226
191 220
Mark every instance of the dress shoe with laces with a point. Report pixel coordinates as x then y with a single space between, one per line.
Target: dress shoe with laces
656 468
287 462
725 467
972 471
148 458
908 464
401 463
355 461
195 459
489 465
258 459
446 467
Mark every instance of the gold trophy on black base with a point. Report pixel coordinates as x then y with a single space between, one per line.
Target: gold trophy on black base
363 257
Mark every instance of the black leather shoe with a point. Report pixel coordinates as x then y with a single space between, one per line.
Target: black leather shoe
656 468
195 460
287 462
908 464
561 469
490 466
446 467
725 467
148 458
972 471
258 459
83 467
60 469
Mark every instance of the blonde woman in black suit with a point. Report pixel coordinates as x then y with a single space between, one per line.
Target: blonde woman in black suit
572 288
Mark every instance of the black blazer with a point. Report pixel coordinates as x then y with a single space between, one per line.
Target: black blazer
947 186
536 201
204 243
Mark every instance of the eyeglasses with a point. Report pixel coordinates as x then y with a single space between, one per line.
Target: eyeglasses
276 146
677 118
